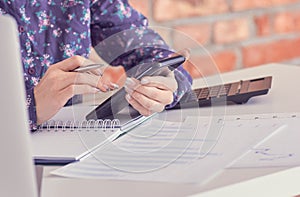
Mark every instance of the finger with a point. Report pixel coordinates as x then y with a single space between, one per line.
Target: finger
162 96
113 86
132 83
99 71
164 83
106 84
85 79
115 74
148 103
72 90
142 110
112 76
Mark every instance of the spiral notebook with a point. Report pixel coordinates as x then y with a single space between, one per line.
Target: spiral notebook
68 137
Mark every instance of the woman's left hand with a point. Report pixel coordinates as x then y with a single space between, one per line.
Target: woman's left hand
151 94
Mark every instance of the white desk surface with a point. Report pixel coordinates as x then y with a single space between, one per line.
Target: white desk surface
283 97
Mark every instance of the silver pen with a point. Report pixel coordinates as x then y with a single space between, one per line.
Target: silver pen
87 68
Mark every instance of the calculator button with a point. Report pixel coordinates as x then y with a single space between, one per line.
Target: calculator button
213 91
204 93
244 87
234 89
197 92
224 90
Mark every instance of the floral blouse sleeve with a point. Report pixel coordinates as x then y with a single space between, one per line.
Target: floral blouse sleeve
2 12
30 102
132 42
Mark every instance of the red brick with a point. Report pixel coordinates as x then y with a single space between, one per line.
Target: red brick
263 25
165 10
287 22
206 65
238 5
141 6
231 31
190 36
278 51
281 2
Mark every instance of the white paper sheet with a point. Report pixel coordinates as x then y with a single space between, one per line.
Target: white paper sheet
284 183
280 150
189 152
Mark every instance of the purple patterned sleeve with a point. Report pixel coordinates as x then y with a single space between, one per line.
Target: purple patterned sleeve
1 12
30 102
121 36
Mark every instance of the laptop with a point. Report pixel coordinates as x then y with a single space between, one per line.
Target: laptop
16 167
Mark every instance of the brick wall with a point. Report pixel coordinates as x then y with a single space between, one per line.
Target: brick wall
225 35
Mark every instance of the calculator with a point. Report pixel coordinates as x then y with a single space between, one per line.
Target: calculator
231 93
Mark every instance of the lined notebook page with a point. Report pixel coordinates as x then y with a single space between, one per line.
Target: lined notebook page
58 143
172 151
67 137
67 145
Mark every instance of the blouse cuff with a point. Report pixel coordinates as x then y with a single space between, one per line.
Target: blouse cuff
30 102
184 81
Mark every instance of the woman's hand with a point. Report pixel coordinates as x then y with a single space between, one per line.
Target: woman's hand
110 74
151 94
59 85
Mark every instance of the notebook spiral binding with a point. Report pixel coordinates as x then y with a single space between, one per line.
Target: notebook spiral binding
78 125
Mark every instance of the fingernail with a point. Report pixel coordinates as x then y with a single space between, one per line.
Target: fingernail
115 86
129 82
106 87
96 90
144 81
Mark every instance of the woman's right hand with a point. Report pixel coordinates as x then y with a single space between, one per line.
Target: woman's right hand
58 85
